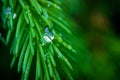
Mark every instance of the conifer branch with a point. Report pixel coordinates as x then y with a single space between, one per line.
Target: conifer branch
38 27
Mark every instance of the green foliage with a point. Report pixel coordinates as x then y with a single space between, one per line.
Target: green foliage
38 28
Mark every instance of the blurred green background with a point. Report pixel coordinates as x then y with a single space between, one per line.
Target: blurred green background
98 40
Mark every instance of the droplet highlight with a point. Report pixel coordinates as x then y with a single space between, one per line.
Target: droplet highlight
14 15
48 37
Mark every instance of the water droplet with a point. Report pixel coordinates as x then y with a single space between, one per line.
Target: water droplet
65 60
45 55
47 30
48 35
52 37
26 12
47 39
45 14
14 15
60 18
48 5
69 47
8 11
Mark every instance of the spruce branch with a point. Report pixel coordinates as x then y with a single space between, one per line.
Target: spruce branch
37 28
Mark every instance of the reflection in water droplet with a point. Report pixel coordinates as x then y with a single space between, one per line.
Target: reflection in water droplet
8 11
49 37
52 37
47 30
